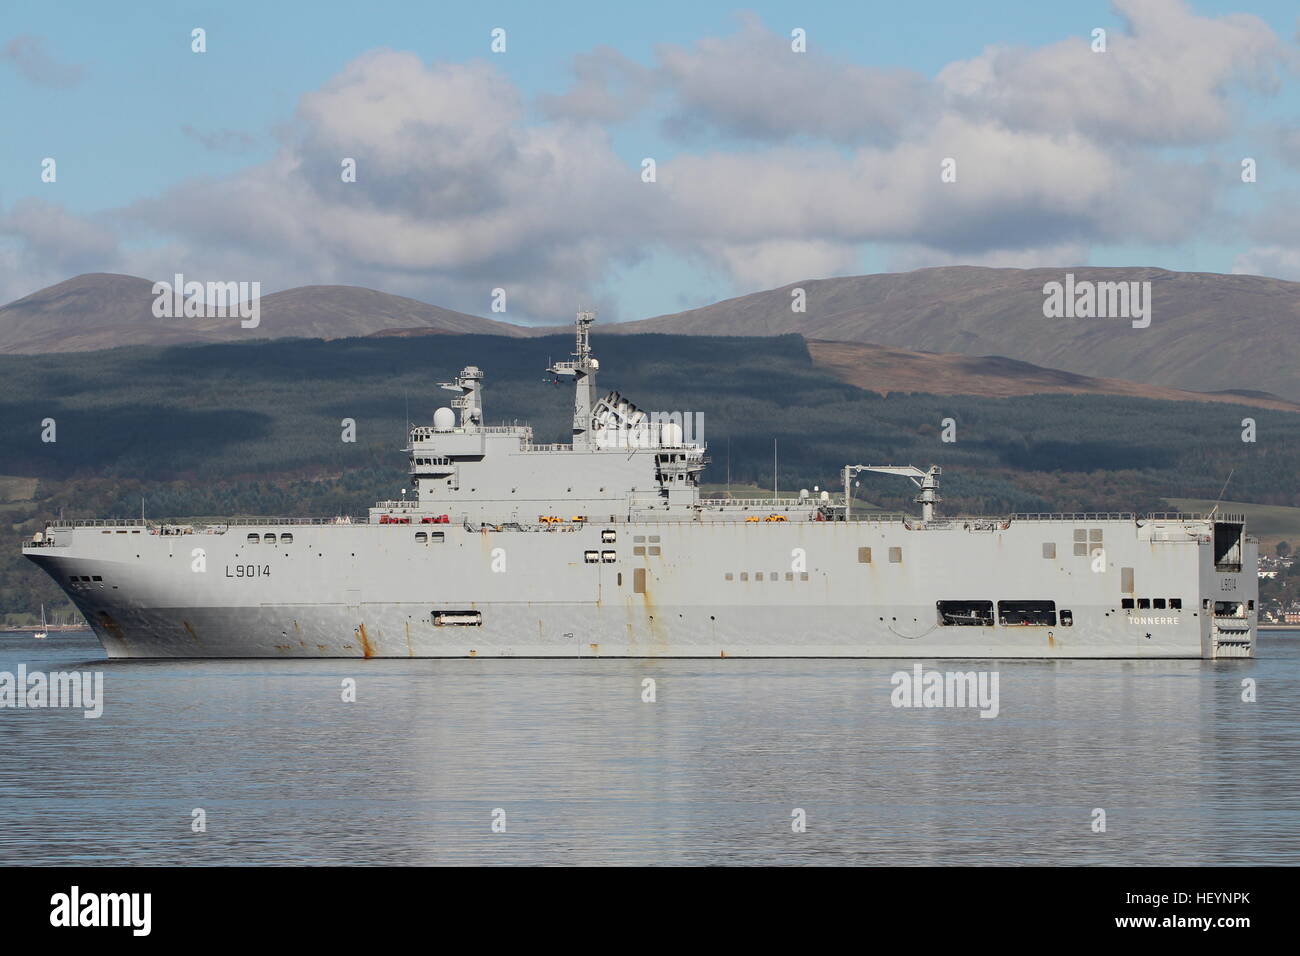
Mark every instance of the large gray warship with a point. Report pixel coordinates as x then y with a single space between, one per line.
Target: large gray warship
604 547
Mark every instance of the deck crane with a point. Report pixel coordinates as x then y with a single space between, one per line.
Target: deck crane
927 481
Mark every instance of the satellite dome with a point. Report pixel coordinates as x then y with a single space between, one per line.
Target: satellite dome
444 420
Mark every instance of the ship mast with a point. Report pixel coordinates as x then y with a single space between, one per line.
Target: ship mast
469 402
583 368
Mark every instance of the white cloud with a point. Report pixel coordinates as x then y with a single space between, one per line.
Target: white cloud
462 188
752 84
1281 262
1167 80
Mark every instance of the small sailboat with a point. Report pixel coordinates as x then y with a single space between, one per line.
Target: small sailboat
45 627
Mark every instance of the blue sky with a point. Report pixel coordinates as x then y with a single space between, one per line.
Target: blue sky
171 160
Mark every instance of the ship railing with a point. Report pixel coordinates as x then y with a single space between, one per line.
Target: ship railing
1195 516
1074 516
770 503
340 520
96 523
428 432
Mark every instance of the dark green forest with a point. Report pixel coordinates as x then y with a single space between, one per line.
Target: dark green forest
254 429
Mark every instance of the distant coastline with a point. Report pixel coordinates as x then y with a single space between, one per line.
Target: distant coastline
11 628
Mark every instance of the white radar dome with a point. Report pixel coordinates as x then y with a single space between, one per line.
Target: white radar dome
444 420
671 434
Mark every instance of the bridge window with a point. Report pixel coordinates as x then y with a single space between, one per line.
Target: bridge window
1158 604
1126 604
1144 604
1175 604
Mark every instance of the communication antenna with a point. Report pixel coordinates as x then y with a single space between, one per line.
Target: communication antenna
774 478
1219 499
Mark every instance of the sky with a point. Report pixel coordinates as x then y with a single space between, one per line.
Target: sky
524 168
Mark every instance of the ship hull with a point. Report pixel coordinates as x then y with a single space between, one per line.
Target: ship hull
711 631
857 589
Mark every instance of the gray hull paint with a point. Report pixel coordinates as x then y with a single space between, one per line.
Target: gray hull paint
368 590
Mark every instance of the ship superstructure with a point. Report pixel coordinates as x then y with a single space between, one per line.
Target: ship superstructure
603 546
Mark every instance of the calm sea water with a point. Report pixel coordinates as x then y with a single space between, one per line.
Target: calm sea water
586 772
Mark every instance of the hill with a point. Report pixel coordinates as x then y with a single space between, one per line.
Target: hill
881 369
99 311
1208 332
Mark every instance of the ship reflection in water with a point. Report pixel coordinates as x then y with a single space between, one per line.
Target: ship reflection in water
710 772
